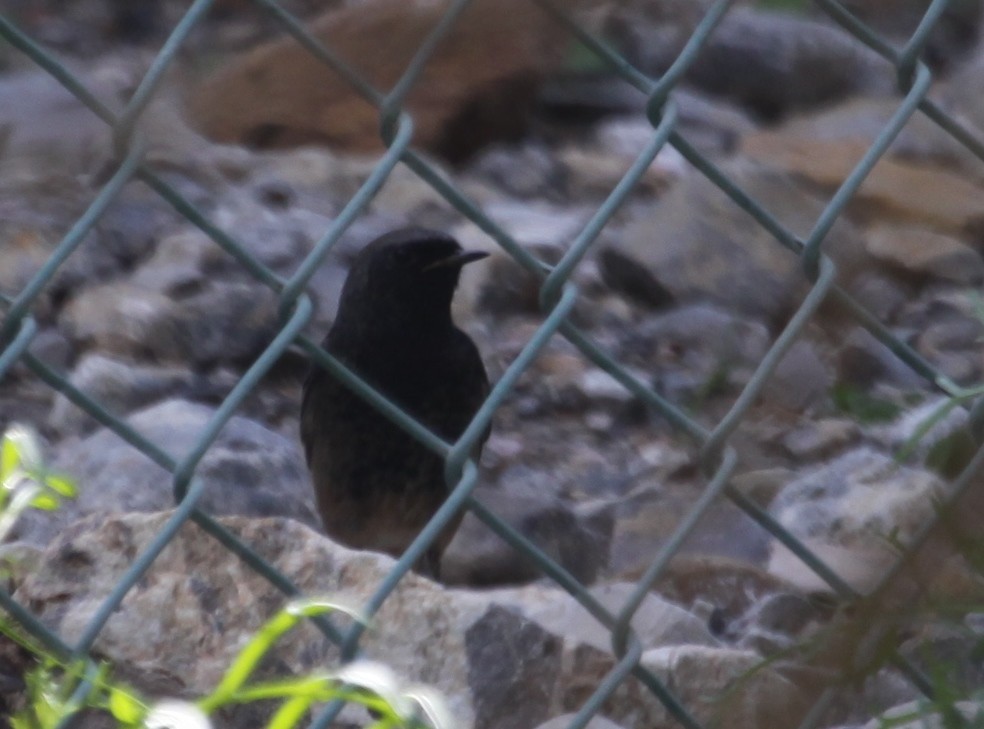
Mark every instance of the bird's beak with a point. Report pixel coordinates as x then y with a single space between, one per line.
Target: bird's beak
457 260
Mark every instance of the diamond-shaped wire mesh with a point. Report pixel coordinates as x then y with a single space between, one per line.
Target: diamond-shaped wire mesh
558 296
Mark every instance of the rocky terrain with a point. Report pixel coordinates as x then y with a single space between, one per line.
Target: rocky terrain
155 321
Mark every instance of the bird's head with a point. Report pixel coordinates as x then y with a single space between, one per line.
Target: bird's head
411 272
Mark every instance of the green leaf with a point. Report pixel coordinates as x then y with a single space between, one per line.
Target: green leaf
62 485
9 458
125 707
45 501
290 713
26 443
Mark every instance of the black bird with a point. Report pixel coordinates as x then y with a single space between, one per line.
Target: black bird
376 486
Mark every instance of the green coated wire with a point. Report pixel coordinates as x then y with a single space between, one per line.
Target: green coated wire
683 530
557 293
247 383
550 290
18 347
34 627
152 78
770 361
137 569
365 194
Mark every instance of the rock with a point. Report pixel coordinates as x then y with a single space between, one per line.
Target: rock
228 322
477 86
502 658
952 344
932 197
918 714
708 123
801 380
862 119
126 320
528 171
500 286
950 35
623 273
821 438
882 293
696 346
593 172
947 651
212 320
248 470
851 512
118 386
773 63
699 245
863 361
926 253
478 557
730 586
704 680
53 348
47 128
649 516
179 264
905 431
762 485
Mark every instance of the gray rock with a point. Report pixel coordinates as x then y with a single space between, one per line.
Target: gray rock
126 320
820 438
52 347
775 62
228 322
699 245
703 678
801 380
905 432
863 361
513 666
708 330
528 171
860 498
952 343
48 128
212 321
502 658
710 124
118 386
478 557
248 470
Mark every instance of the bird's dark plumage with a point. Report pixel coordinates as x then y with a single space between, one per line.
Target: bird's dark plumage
376 486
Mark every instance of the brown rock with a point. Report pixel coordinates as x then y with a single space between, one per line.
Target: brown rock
926 253
474 88
896 189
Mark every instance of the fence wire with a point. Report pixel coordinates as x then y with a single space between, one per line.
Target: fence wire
558 294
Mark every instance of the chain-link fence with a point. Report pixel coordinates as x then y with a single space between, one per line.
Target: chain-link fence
558 296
